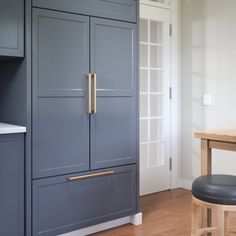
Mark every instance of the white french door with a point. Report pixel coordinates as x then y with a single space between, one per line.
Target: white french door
154 99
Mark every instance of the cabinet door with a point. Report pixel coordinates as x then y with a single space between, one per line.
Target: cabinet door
113 59
12 28
60 65
12 185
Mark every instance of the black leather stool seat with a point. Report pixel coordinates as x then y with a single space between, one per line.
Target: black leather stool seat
218 189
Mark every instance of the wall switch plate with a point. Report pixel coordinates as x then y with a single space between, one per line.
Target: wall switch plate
206 100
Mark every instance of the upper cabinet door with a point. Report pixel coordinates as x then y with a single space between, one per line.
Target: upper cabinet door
12 28
60 64
113 127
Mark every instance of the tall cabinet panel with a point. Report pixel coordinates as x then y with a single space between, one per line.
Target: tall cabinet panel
84 132
113 127
60 65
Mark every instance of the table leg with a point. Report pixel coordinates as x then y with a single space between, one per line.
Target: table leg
206 168
205 157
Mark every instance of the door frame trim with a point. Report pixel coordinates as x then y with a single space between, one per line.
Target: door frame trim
175 102
156 4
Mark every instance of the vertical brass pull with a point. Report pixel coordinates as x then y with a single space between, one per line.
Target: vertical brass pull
94 93
89 76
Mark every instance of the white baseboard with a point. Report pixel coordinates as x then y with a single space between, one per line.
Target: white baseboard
134 219
186 184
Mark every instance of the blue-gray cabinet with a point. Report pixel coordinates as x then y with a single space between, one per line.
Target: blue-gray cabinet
113 127
84 113
61 205
60 65
113 9
12 28
66 138
12 184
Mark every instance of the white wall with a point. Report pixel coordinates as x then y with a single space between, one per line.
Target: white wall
208 66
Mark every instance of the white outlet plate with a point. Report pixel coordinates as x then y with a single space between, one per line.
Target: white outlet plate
207 100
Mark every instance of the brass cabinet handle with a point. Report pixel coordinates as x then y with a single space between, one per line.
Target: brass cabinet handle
94 76
89 76
75 178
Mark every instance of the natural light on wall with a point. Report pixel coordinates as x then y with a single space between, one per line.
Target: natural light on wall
208 58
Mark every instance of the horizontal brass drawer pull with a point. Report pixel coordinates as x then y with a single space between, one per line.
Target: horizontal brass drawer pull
75 178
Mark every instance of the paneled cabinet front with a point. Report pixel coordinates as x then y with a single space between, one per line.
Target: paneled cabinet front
12 28
113 9
66 137
66 203
12 185
60 65
113 127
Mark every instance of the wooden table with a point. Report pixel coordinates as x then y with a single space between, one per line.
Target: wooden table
224 139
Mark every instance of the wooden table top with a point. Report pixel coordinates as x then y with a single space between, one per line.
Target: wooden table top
224 135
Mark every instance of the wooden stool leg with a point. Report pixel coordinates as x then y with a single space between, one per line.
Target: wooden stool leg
195 219
205 220
226 223
220 221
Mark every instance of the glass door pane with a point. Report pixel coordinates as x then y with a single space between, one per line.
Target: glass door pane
151 92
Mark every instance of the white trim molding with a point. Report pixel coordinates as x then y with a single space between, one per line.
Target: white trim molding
185 184
133 219
136 219
175 85
154 3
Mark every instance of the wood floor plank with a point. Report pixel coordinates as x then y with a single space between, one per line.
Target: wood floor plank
164 214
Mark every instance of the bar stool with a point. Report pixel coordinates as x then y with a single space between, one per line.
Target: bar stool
213 192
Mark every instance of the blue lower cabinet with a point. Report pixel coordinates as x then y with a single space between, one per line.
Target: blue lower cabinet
66 203
12 185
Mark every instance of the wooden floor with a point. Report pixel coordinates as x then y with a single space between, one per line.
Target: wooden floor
165 214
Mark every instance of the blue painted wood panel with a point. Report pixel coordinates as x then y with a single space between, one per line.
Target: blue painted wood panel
12 185
61 206
60 64
113 127
115 9
12 28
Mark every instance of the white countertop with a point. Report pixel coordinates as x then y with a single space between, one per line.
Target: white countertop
11 129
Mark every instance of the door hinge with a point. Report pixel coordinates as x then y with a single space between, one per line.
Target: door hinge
170 93
170 163
170 30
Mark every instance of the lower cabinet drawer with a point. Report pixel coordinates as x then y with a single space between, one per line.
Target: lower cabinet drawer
66 203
